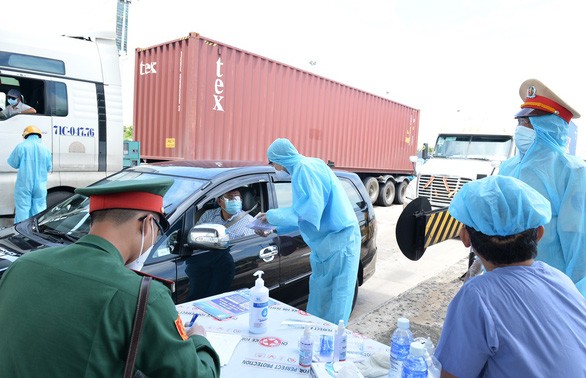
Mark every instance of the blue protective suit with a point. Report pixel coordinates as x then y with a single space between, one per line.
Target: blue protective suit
322 211
561 178
33 161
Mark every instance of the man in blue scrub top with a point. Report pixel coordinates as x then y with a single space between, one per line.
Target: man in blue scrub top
322 211
522 318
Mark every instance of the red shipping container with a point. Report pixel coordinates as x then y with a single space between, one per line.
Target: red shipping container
199 99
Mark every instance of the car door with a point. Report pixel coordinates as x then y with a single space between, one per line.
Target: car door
294 253
208 272
294 263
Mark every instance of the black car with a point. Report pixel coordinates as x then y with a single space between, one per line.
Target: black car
199 259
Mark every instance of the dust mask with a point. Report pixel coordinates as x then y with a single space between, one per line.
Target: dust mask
233 206
12 101
139 262
524 138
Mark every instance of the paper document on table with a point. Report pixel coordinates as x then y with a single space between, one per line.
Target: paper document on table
261 225
224 344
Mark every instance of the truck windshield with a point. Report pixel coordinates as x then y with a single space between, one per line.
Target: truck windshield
485 147
70 219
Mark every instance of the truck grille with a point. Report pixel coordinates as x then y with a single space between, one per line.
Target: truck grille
440 190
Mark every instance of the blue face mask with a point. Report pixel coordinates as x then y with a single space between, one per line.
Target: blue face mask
524 138
233 206
12 101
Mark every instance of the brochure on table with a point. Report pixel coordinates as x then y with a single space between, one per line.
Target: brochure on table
275 351
227 305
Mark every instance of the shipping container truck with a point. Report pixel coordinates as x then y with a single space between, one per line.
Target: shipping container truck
74 85
199 99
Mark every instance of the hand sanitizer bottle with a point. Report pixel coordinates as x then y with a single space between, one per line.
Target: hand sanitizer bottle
259 305
340 340
305 348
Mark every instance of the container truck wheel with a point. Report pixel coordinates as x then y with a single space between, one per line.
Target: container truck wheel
386 195
371 185
54 198
401 191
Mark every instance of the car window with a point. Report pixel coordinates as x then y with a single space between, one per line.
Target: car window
353 194
284 194
70 217
166 246
253 198
181 189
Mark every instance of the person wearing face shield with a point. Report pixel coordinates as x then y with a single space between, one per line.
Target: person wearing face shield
15 105
71 309
543 163
324 216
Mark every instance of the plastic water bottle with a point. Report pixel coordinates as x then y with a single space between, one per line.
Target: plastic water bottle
434 367
400 344
414 365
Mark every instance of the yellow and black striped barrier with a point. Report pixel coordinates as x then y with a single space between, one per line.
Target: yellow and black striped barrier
419 227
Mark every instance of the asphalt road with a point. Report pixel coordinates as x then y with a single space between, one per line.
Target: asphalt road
419 290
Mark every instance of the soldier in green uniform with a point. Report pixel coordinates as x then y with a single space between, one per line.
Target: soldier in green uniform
69 311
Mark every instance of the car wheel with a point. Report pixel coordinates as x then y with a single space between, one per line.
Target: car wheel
386 195
54 198
371 185
400 192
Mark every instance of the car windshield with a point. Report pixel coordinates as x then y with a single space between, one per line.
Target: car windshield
485 147
70 218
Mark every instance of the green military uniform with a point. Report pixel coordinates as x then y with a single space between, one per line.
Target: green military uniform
68 312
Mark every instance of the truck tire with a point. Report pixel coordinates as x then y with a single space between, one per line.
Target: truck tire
54 198
400 192
386 194
371 185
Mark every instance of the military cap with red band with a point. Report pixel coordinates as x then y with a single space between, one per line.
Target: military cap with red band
540 100
144 195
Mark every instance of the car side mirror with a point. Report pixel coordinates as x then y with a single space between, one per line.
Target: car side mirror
208 236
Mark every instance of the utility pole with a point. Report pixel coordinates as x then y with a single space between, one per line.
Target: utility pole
122 26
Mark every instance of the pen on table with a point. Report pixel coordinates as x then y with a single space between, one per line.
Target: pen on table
193 319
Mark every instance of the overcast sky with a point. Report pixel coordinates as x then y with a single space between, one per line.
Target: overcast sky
460 62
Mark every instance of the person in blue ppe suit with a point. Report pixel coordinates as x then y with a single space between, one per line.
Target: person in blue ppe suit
522 318
34 162
327 223
542 162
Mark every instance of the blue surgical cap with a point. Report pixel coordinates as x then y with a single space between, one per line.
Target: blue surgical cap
500 206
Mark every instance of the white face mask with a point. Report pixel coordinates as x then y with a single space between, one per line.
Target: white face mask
524 138
139 262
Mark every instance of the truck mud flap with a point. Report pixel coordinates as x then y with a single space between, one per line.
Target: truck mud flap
419 227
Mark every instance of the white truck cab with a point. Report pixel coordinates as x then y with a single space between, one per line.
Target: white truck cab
74 85
456 160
